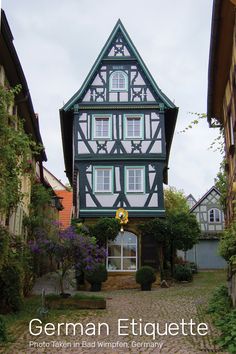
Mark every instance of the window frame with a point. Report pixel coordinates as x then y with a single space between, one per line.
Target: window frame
125 120
214 221
113 89
122 257
100 116
143 182
111 184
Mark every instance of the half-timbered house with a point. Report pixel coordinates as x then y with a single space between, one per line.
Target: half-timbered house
117 132
210 216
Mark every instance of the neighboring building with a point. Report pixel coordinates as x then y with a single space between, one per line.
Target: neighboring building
210 216
11 74
221 100
117 132
63 194
221 110
191 200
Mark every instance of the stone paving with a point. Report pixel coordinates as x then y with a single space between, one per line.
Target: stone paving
163 306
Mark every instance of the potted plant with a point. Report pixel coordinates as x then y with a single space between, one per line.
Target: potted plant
96 276
145 276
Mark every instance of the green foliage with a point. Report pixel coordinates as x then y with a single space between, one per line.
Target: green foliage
105 229
145 275
218 143
227 245
193 267
97 275
183 230
220 303
16 148
29 275
183 272
155 228
39 216
221 184
175 201
224 318
11 287
3 330
4 245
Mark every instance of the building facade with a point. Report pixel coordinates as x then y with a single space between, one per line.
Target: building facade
11 75
210 216
221 105
117 132
221 110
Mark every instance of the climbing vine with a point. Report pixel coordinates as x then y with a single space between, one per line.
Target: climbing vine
218 143
16 150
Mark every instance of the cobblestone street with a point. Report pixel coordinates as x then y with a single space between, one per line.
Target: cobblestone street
182 301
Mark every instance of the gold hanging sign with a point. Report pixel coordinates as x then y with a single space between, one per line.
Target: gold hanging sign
122 215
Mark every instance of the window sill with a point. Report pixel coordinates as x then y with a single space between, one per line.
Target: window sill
134 139
106 193
120 90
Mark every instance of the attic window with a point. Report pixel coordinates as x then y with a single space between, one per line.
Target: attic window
118 81
214 215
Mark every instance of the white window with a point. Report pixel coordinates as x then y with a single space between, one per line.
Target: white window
133 126
214 215
103 180
102 127
122 253
118 81
135 179
231 130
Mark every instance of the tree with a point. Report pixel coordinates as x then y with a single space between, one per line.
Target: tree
182 227
221 184
158 230
175 201
179 230
105 229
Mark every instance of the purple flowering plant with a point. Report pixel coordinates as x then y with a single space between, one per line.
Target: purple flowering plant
70 250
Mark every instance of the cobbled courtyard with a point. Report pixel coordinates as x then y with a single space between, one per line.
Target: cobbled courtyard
181 301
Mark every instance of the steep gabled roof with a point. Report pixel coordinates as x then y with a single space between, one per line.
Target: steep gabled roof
204 196
118 27
66 112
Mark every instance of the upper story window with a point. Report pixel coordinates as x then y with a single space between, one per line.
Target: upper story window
118 81
214 215
133 126
135 179
102 127
103 179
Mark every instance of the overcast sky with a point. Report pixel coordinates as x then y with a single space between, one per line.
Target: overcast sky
58 41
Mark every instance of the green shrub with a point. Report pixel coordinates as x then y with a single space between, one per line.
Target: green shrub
11 279
105 229
145 275
227 245
193 267
3 331
183 272
4 243
224 318
220 302
97 275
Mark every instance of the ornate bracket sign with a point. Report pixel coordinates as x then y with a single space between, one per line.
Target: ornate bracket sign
122 215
